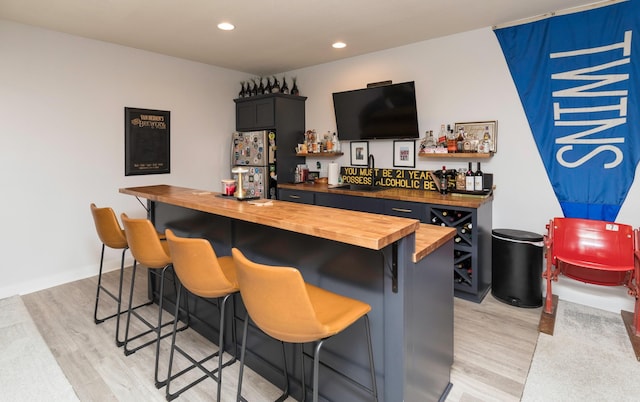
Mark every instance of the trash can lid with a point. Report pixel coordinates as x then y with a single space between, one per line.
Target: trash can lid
515 234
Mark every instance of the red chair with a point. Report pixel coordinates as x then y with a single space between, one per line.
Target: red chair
596 252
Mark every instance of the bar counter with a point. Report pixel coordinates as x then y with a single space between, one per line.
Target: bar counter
400 267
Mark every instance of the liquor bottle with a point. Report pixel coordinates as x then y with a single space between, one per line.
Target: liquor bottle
470 179
443 181
442 137
478 179
254 88
241 93
461 180
460 140
294 89
285 87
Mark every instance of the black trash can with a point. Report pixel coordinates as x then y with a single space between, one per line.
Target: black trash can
517 267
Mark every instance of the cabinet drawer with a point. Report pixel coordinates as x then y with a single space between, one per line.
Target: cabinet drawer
353 203
302 197
406 209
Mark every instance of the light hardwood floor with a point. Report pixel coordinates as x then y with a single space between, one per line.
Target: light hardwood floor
494 344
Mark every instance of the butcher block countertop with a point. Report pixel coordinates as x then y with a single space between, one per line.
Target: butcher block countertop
328 223
400 194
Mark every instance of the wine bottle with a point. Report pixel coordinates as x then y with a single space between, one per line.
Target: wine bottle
254 88
294 89
470 179
275 88
478 179
285 87
443 181
241 93
261 87
267 89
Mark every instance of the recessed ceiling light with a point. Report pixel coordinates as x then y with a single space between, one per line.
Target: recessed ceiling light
226 26
339 45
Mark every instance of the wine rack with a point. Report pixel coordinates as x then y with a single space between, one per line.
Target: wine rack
472 248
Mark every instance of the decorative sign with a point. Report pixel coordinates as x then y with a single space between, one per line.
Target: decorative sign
146 142
397 178
578 77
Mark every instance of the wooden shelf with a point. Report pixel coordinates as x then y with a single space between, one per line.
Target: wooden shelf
457 155
321 154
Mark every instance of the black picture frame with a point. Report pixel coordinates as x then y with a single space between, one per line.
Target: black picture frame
147 139
359 153
404 153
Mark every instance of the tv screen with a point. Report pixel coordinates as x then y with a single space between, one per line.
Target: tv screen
377 113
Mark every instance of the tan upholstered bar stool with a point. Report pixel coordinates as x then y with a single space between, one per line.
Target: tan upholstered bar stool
149 250
286 308
201 272
111 235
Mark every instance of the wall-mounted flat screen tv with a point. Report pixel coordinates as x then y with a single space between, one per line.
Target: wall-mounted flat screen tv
379 112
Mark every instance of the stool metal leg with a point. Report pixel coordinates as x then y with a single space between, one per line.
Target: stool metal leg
157 328
316 364
285 392
117 299
374 384
199 364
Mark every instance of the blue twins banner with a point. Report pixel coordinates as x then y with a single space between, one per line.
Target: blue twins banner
578 76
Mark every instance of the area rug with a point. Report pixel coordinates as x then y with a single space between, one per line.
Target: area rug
28 369
588 358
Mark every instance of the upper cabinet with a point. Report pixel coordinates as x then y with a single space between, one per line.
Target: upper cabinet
255 114
264 112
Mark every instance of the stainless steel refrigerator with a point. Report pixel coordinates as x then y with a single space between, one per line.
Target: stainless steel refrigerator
256 151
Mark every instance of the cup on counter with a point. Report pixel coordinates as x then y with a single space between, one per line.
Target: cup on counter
228 187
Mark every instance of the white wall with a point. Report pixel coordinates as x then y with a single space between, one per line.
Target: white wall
462 78
62 102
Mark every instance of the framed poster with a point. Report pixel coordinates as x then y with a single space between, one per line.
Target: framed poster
359 153
484 134
146 141
404 153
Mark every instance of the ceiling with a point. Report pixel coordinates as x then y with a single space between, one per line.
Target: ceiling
271 36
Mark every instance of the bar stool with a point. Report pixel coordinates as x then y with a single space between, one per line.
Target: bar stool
286 308
150 251
201 272
111 235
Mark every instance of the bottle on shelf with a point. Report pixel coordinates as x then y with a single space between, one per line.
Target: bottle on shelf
460 140
443 181
442 137
241 93
294 89
478 179
452 145
336 143
470 179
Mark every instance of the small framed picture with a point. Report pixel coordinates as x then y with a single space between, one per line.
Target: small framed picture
359 153
480 136
404 153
